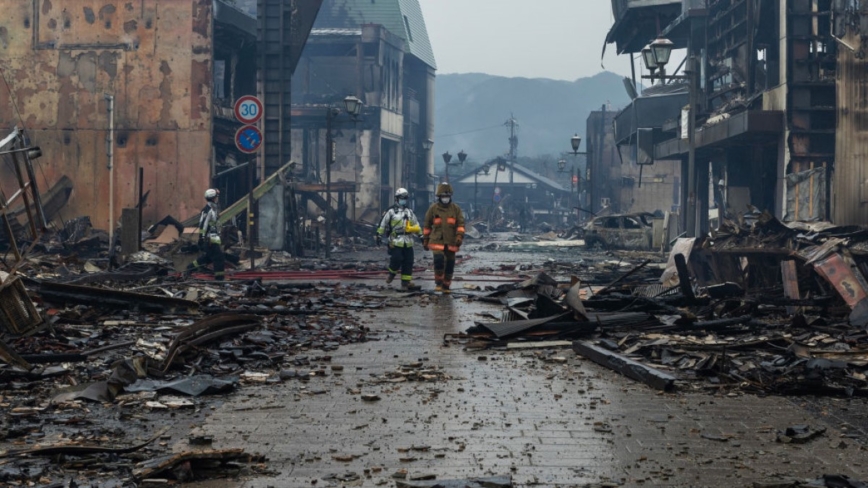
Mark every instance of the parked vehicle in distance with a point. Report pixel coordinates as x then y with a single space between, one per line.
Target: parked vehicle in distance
627 231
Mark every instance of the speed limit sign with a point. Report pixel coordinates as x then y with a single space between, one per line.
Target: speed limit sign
248 109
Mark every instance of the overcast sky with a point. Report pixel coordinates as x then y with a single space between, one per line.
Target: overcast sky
560 39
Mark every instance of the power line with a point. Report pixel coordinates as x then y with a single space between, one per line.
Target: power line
470 131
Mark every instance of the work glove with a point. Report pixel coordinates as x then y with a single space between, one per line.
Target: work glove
459 240
378 240
425 244
201 243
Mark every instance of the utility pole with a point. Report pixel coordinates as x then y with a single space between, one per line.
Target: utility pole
513 150
513 138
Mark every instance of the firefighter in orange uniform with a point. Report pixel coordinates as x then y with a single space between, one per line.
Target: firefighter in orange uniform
443 234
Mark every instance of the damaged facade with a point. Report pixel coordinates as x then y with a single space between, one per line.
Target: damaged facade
380 53
61 58
618 183
173 122
767 76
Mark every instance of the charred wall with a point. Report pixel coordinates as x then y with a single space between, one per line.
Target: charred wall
60 58
370 151
850 180
656 187
603 171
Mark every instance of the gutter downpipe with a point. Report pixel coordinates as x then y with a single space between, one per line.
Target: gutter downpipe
110 153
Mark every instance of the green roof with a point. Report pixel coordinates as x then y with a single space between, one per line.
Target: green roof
401 17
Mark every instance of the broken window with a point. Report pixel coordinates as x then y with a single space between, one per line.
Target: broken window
219 78
631 223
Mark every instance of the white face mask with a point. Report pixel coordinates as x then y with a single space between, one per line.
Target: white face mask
445 200
402 202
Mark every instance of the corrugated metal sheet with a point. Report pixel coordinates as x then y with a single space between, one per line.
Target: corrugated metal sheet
61 57
850 190
417 33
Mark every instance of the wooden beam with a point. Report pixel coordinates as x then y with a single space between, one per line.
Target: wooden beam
626 366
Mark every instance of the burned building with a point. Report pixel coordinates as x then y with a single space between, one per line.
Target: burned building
626 182
761 76
850 179
66 62
380 53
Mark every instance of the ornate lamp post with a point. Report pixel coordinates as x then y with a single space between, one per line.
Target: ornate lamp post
447 158
656 55
576 143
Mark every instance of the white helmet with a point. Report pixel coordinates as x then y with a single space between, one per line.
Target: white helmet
402 193
211 194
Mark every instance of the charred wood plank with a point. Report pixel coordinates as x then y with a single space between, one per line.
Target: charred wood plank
791 283
79 450
205 330
718 324
626 366
624 277
152 467
64 293
12 357
259 311
54 358
129 272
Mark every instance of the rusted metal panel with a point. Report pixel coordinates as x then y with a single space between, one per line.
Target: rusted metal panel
154 56
850 206
849 284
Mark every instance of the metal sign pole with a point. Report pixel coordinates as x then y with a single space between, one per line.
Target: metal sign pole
251 174
248 139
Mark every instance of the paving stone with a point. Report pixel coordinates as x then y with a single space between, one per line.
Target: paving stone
510 415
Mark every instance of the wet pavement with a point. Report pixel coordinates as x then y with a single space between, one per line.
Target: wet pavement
410 404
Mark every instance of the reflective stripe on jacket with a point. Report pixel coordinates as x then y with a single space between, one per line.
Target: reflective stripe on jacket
399 224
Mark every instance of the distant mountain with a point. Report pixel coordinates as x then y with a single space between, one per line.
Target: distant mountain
472 108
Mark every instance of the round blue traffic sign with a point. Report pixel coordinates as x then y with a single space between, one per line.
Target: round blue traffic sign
248 139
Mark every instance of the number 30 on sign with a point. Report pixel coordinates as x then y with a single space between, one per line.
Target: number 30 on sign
248 109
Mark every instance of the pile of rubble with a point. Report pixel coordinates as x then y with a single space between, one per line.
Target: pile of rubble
761 307
92 365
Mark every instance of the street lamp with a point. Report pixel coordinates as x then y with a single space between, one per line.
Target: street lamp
447 158
353 107
576 143
648 58
484 169
661 48
695 219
